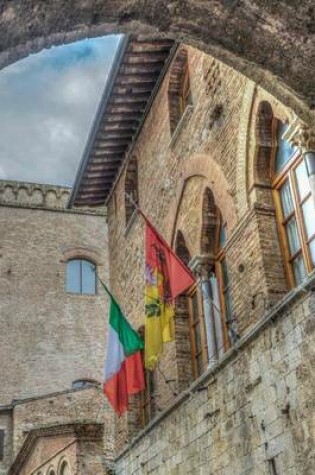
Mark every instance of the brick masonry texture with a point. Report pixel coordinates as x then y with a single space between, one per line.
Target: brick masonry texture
48 337
270 43
224 427
257 403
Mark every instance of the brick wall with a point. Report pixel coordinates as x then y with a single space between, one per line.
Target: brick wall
214 146
48 338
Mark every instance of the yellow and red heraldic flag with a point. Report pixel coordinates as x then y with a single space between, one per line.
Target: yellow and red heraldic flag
166 278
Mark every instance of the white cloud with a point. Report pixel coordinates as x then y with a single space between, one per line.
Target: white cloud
48 102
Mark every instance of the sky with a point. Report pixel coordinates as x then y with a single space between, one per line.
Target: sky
47 104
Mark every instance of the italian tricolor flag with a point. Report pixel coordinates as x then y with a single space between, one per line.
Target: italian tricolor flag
123 372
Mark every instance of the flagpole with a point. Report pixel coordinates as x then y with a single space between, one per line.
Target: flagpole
147 220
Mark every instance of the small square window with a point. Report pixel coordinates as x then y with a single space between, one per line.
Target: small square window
81 277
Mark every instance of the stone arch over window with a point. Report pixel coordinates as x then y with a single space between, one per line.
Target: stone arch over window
88 253
131 187
179 95
207 171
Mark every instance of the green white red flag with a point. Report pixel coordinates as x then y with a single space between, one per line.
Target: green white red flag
123 370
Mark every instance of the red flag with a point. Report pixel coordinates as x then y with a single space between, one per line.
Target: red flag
166 278
177 276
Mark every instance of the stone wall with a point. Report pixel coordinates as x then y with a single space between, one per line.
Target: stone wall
270 44
6 424
256 408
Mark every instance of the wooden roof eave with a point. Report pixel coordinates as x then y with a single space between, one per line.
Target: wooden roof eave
120 118
99 117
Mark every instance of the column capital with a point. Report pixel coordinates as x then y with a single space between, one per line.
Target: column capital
301 135
202 265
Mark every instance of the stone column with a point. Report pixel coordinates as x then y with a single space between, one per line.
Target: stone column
203 267
303 136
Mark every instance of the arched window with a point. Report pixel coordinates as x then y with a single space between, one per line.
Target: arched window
210 303
81 277
131 187
64 469
179 94
294 208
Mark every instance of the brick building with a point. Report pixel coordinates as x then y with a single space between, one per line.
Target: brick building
52 337
220 167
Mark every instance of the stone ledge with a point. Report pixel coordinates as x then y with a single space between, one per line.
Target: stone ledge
38 196
209 375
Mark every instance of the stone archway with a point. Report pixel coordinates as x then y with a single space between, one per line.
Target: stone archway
269 42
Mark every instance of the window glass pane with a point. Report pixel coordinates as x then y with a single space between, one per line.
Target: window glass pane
1 444
195 308
309 217
299 269
293 237
197 330
286 199
302 180
285 149
228 304
88 277
200 364
225 273
73 276
222 237
312 251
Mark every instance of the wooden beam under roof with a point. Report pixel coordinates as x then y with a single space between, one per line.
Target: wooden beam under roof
139 66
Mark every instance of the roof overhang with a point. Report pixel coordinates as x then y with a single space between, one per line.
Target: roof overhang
139 67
